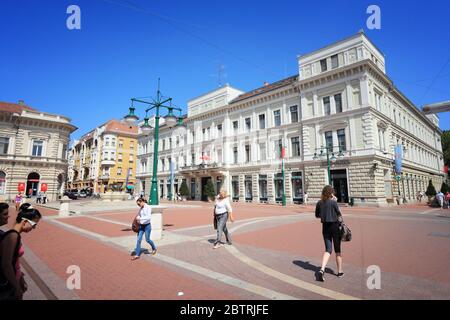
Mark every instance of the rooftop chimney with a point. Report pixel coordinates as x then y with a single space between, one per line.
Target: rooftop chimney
21 102
266 83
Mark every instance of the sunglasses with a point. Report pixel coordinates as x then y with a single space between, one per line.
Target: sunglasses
32 223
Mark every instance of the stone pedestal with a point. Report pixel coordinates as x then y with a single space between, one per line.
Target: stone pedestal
64 207
157 222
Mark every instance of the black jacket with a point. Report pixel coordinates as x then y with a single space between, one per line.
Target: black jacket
328 211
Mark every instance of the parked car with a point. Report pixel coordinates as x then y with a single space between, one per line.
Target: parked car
82 194
71 195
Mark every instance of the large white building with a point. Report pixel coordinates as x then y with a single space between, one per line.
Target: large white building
341 99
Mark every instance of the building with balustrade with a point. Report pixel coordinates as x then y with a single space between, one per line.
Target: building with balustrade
341 103
33 151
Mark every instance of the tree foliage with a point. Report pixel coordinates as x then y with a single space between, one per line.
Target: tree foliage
431 190
209 190
446 146
184 190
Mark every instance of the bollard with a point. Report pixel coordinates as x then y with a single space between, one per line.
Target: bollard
64 207
157 223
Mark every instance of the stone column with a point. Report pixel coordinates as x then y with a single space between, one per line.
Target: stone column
270 188
255 187
349 95
241 188
288 187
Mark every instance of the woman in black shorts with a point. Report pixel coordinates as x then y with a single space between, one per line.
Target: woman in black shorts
328 211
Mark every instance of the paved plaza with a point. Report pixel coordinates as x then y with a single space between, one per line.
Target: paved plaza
275 253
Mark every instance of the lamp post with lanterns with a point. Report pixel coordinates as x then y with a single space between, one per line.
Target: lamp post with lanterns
170 121
328 150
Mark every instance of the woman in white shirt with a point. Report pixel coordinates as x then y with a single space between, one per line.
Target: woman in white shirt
222 211
144 218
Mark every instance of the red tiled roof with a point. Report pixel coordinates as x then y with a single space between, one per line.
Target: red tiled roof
121 127
14 107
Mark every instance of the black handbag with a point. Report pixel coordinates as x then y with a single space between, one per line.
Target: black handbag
215 218
346 233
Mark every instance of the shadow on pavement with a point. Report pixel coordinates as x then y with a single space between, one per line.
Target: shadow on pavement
308 266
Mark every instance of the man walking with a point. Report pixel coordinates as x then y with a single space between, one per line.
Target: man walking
39 197
440 199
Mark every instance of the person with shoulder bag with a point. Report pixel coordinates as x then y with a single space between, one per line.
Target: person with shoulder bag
222 212
143 224
330 215
12 281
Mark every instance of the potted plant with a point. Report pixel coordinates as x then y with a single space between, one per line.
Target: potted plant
209 191
184 191
431 192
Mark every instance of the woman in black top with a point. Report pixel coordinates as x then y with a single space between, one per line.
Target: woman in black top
328 211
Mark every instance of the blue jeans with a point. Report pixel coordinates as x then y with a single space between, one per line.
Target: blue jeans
147 229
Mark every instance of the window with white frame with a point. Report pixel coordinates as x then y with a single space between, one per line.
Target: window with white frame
235 127
2 182
119 171
341 140
277 118
247 153
119 157
131 158
294 114
378 101
262 121
219 130
38 146
295 145
326 106
4 145
334 61
323 65
329 139
248 124
235 155
262 151
338 102
106 142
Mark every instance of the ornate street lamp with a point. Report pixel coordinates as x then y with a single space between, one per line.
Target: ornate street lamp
170 121
328 150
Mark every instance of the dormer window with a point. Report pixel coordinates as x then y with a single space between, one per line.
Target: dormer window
334 61
323 65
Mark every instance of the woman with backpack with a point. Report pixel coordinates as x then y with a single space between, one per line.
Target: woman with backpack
330 215
12 282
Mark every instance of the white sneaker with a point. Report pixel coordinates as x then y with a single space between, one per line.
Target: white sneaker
217 245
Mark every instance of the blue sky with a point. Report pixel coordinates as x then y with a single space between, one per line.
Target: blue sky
125 45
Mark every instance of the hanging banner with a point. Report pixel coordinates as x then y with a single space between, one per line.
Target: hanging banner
44 187
21 187
398 158
445 169
283 152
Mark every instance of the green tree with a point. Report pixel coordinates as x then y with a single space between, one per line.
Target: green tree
444 188
209 190
431 190
446 146
184 190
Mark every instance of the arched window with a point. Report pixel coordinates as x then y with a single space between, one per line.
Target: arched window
2 182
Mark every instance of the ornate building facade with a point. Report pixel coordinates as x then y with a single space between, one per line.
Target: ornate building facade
341 103
33 151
